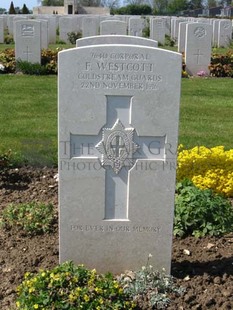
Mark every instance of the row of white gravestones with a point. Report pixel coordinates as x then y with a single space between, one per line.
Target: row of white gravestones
28 41
196 39
44 32
224 33
52 27
221 31
93 25
157 30
48 34
118 130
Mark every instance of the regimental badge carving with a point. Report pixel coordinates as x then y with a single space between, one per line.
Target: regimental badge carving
117 147
27 30
199 32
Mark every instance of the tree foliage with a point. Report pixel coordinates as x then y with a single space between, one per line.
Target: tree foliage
52 2
112 4
12 8
25 10
133 9
195 4
2 11
160 6
177 6
95 3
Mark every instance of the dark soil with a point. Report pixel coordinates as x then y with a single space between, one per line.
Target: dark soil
203 266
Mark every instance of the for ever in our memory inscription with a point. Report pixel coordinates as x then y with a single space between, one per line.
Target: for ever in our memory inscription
119 228
127 71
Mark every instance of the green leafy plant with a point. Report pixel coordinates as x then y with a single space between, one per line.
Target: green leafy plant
71 287
48 63
5 159
8 39
7 59
169 41
146 29
149 287
201 212
49 60
73 36
222 65
27 67
34 218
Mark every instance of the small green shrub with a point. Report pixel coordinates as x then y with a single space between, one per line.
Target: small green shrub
49 60
27 67
73 36
8 39
71 287
34 218
201 212
7 59
133 9
169 41
149 287
5 159
60 42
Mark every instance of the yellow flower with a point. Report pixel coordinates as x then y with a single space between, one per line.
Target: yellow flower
72 297
36 306
101 301
207 167
31 289
17 304
86 298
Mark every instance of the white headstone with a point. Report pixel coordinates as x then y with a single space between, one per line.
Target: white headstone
198 48
167 25
28 41
215 32
224 33
157 30
136 26
113 27
1 30
176 27
182 37
116 39
66 25
52 28
118 114
44 33
10 26
90 26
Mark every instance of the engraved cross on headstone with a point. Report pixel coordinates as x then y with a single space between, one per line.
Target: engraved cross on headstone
198 54
27 53
118 147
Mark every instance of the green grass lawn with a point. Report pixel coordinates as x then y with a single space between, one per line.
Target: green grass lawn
28 115
206 112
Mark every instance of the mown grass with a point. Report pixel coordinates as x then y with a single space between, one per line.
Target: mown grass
28 115
206 112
